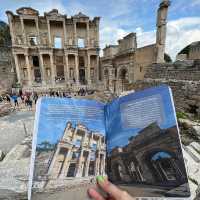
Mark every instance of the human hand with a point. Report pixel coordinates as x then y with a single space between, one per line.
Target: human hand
114 193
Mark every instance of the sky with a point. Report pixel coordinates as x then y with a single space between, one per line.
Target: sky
120 17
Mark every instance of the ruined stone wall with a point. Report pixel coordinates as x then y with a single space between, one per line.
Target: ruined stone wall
143 57
7 75
179 71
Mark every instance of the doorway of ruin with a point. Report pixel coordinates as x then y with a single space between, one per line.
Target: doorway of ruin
82 78
71 170
124 78
36 69
164 166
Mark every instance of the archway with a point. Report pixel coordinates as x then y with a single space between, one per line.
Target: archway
164 166
82 70
123 76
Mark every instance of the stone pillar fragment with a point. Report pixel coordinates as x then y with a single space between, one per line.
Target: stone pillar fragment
23 30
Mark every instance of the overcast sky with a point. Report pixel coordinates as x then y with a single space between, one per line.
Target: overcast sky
120 17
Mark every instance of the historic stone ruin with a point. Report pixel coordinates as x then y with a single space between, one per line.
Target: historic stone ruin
79 153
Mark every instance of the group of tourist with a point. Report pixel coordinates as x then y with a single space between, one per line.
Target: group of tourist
29 99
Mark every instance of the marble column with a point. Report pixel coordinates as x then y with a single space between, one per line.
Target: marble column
17 68
66 164
96 75
49 32
66 68
87 164
53 75
23 30
88 34
43 73
79 165
50 170
75 34
65 33
29 70
88 69
76 69
38 32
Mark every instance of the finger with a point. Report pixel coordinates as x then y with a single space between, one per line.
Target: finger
94 194
112 190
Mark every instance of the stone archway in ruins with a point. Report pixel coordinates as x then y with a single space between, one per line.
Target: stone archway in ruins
164 166
123 76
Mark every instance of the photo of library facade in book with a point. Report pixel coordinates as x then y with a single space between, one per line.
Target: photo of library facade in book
153 158
79 153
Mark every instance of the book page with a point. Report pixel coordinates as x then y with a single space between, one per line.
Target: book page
144 155
70 146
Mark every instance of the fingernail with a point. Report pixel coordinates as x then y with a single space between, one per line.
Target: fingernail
100 179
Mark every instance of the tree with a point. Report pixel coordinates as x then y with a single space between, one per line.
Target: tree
5 39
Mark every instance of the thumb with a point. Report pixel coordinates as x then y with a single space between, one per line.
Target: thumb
113 190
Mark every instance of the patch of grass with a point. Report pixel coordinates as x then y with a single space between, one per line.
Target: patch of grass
181 115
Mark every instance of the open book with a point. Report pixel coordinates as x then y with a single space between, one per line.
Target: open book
134 140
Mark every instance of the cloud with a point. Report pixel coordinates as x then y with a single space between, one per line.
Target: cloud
180 33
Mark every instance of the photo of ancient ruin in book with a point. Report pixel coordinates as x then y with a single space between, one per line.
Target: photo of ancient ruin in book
144 153
78 153
70 146
133 140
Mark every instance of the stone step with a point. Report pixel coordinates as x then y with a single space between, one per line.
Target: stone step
193 153
196 146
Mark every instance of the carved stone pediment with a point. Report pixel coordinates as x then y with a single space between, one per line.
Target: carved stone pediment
27 11
80 15
53 13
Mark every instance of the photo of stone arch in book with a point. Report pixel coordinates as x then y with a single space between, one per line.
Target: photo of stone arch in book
153 157
144 152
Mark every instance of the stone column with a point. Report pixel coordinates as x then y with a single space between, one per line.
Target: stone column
43 73
87 164
88 69
38 32
65 33
76 69
66 68
23 30
88 34
66 164
17 68
79 165
53 161
49 32
97 70
52 69
75 34
29 70
97 164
